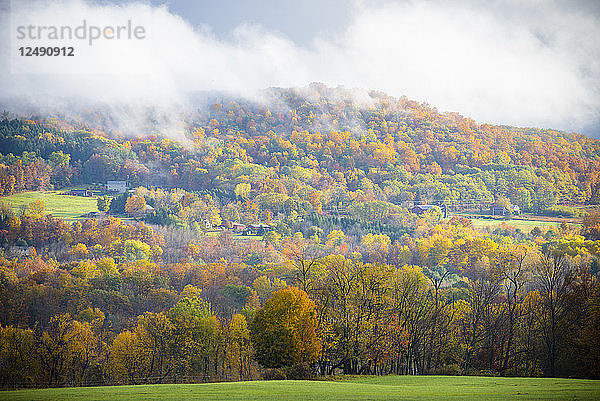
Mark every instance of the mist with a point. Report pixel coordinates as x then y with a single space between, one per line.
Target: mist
519 63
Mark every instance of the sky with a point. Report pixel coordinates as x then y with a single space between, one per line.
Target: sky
517 62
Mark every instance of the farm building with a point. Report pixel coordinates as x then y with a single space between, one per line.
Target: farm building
80 192
502 211
233 225
238 226
420 209
116 186
257 229
93 215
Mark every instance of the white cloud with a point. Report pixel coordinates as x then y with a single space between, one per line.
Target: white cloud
521 63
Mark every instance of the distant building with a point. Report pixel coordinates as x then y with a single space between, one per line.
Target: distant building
116 186
503 211
233 225
238 226
257 229
420 209
499 211
93 215
80 192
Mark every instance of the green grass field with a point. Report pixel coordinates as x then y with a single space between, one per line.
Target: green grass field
524 225
216 233
353 388
66 206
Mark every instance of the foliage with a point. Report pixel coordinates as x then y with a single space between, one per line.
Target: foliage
284 330
175 291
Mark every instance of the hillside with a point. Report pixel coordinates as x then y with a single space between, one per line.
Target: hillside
368 144
301 233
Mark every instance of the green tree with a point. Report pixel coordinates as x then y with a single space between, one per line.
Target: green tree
59 159
104 203
196 332
335 238
135 250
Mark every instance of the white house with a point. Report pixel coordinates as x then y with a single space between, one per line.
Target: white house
116 186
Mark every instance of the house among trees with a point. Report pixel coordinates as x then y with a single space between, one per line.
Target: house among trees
81 192
93 215
116 186
257 229
420 209
503 211
235 226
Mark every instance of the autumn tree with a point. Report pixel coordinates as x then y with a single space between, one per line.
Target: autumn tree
155 334
135 204
303 256
591 226
196 331
238 348
283 331
129 360
554 277
19 366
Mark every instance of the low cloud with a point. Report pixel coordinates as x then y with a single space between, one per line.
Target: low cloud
520 63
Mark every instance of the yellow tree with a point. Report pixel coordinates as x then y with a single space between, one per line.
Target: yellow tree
513 263
376 246
242 190
283 332
238 346
36 209
66 342
17 350
264 287
335 238
135 204
129 360
197 332
87 350
155 334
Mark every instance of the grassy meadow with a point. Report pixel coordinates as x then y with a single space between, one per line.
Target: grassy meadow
524 225
348 388
66 206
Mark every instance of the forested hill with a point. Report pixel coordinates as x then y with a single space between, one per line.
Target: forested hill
291 216
343 144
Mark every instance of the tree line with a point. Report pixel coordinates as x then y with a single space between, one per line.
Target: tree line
106 307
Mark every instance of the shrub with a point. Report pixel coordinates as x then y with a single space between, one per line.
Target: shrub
274 374
563 211
448 370
300 371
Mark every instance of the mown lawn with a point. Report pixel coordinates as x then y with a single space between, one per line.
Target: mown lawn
353 388
66 206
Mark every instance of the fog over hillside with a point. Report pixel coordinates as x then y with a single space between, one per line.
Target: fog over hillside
507 63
